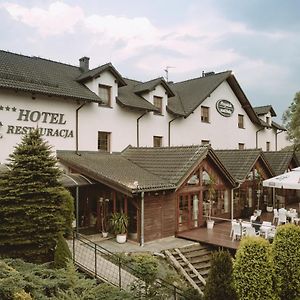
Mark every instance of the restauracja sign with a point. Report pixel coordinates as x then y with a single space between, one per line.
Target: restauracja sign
35 116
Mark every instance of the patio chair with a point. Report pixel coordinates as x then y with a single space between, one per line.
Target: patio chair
237 231
250 231
253 218
258 212
265 228
233 221
281 217
276 215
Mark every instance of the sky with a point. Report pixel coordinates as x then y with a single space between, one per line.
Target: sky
259 40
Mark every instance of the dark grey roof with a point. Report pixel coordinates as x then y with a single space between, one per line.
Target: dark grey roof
172 163
37 75
280 160
262 110
191 93
240 162
150 85
106 67
278 126
128 98
113 170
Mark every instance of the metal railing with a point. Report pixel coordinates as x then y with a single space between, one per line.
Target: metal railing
111 268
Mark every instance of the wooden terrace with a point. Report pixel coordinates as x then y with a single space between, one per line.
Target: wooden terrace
219 236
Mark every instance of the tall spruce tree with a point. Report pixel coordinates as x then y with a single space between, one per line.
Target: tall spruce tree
34 207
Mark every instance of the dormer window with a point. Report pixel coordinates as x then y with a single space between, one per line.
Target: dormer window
157 102
104 92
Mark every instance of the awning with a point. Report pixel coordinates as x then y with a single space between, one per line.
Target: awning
72 180
67 180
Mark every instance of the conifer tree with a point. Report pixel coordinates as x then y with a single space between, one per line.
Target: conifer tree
33 203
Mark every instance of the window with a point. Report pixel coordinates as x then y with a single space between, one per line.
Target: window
157 101
268 146
241 146
268 120
157 141
205 114
104 92
205 142
104 141
241 121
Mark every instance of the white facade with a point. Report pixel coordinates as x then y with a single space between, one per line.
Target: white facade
57 119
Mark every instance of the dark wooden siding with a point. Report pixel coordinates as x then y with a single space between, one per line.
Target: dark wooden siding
159 216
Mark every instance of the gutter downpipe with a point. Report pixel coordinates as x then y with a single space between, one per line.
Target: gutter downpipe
257 136
276 138
169 131
76 135
142 219
237 187
138 129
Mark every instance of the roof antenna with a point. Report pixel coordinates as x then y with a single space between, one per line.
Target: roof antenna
167 72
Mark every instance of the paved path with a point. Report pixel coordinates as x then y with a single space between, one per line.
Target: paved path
105 270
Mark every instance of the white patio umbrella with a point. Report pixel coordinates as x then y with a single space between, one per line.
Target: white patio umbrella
289 180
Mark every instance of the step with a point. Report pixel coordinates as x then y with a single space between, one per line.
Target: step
199 259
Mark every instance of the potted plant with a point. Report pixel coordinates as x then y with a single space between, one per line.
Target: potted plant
119 224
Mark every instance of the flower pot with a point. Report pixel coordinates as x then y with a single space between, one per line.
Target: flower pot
121 238
104 234
210 224
269 208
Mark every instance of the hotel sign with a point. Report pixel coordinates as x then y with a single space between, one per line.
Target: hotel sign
44 122
225 108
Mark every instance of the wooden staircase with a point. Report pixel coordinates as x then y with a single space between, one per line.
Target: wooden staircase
193 262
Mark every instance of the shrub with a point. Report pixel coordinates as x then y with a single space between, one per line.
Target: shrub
253 270
286 252
219 284
62 253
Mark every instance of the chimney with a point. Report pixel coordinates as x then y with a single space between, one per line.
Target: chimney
84 63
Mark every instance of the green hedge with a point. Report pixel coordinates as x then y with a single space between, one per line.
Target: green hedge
286 252
253 270
219 284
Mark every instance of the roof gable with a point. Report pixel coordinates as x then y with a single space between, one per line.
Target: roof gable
96 71
150 85
280 160
263 110
172 163
127 97
191 93
240 162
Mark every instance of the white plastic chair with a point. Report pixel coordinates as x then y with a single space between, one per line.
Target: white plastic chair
276 215
237 231
232 222
281 217
265 228
253 218
250 231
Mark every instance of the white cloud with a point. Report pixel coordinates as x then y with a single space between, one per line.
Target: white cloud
58 19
